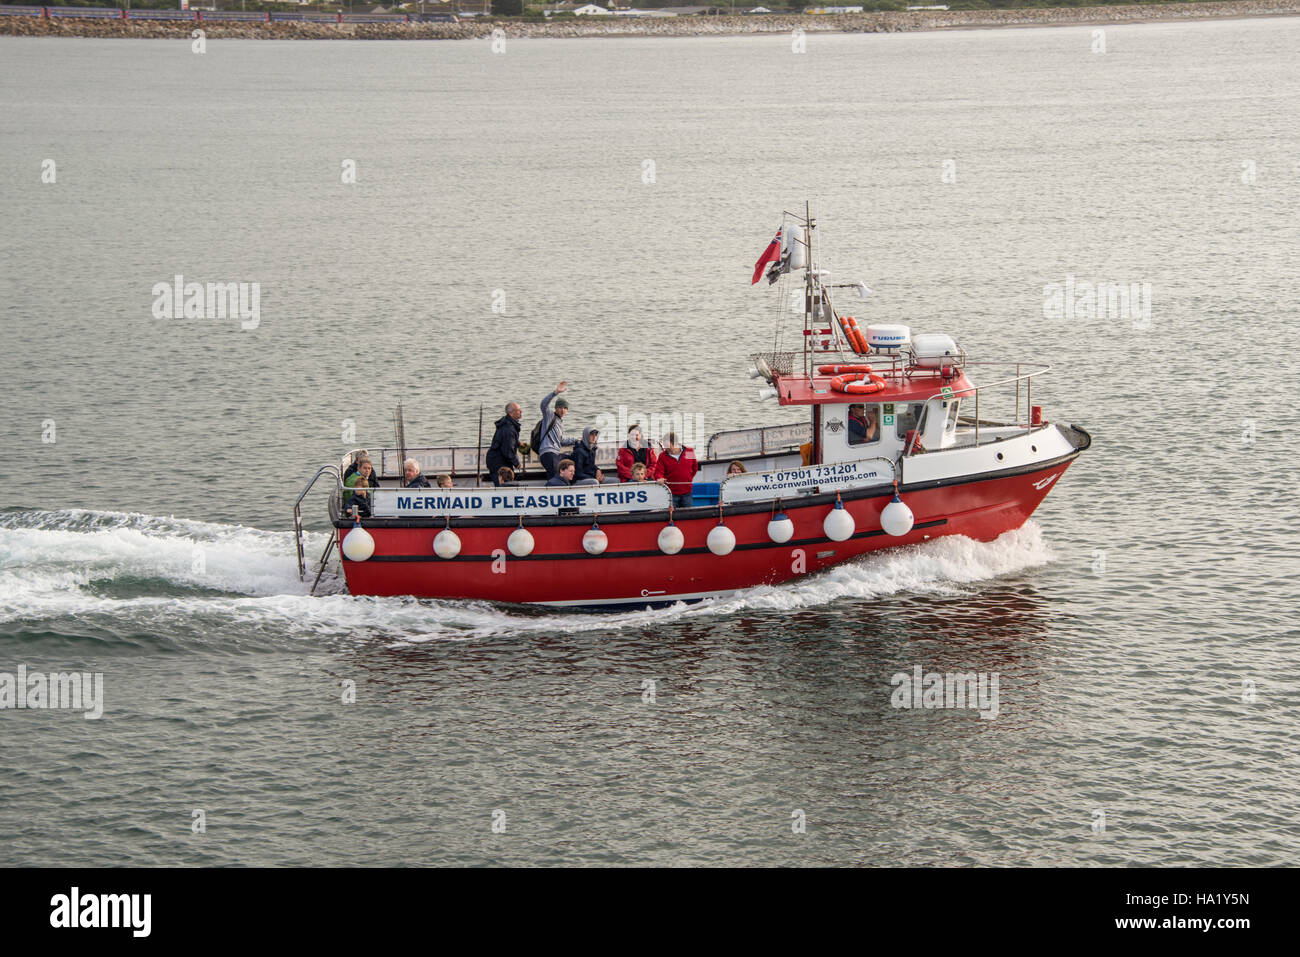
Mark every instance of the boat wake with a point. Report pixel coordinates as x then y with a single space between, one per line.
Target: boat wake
130 581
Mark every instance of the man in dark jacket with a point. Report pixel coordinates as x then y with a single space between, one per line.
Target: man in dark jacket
584 456
411 477
563 474
505 443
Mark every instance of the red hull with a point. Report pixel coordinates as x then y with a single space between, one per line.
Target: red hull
634 572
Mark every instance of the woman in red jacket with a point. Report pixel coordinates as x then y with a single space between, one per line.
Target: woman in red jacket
635 450
678 465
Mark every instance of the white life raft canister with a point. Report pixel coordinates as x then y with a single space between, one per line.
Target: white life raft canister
934 350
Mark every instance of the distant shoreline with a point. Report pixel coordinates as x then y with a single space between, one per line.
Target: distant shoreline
479 27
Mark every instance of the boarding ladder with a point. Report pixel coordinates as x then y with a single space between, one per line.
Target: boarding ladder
298 531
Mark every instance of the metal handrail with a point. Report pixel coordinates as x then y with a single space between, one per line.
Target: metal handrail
953 393
297 514
606 458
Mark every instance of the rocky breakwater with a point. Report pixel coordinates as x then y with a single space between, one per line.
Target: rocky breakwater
885 22
889 21
182 29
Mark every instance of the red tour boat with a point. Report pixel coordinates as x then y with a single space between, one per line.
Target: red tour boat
894 451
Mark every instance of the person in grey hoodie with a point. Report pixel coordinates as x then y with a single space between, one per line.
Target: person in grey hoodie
551 449
584 456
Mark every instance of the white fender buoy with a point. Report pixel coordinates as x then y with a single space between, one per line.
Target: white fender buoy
671 539
520 542
358 544
838 524
594 540
446 544
780 529
896 518
722 540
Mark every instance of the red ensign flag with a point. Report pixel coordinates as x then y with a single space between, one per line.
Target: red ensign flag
770 255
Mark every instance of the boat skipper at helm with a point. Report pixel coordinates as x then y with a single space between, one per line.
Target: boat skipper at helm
863 424
552 443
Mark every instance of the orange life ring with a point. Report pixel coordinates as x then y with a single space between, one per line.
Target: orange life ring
854 385
842 370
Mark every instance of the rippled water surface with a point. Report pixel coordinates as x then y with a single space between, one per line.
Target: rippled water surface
1142 625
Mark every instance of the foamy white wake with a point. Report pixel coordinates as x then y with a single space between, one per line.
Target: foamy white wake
154 571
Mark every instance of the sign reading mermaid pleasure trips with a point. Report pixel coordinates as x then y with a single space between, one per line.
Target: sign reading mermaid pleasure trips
812 480
580 499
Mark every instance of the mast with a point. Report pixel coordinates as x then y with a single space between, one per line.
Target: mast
810 291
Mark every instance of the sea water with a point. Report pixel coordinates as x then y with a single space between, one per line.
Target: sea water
451 228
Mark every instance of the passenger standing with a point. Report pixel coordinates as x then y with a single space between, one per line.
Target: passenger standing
633 451
678 466
553 442
504 450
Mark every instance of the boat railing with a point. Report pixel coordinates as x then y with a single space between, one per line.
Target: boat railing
1020 378
899 363
757 441
890 363
458 460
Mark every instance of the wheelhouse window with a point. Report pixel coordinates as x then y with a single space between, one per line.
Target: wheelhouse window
950 424
906 416
864 423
